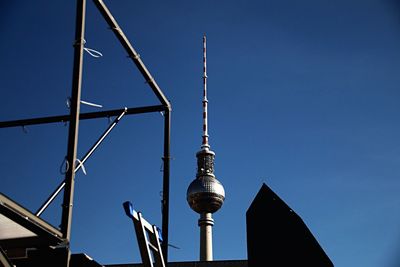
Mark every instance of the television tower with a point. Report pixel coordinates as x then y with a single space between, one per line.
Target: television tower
205 193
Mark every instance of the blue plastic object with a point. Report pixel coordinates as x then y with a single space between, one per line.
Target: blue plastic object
128 207
159 234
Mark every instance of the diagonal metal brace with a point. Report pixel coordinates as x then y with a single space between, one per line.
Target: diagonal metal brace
88 154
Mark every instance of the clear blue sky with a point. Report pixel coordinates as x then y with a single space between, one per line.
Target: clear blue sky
303 96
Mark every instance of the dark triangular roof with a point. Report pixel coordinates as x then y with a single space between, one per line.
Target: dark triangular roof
277 236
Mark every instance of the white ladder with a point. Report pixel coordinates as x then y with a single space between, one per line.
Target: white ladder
148 238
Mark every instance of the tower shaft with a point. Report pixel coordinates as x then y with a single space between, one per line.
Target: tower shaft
206 223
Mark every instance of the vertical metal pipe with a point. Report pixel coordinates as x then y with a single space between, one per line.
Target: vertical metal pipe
166 174
74 122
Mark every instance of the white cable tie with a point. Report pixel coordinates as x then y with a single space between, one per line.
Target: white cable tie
81 165
24 129
68 102
93 53
91 104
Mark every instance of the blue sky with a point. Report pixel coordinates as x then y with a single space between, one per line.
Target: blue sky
303 96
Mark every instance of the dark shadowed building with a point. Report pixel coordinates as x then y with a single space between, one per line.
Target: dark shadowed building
277 236
215 263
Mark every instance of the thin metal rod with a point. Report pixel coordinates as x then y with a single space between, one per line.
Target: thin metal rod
83 160
131 51
166 176
4 259
82 116
68 200
205 144
50 199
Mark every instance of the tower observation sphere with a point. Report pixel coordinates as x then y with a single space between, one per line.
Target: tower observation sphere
205 194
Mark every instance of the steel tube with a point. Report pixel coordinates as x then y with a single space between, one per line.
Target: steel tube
68 200
87 155
82 116
166 176
131 51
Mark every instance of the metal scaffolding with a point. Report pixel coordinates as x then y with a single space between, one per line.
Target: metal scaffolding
75 116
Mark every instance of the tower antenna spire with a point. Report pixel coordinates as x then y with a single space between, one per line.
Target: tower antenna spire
205 144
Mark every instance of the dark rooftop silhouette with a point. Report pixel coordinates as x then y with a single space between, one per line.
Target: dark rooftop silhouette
277 236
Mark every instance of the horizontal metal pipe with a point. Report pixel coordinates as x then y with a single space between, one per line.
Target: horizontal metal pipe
82 116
